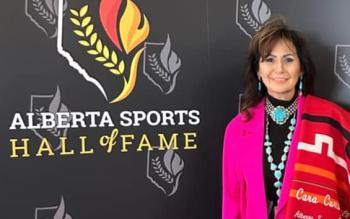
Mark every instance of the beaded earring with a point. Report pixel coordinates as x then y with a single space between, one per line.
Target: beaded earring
259 84
301 85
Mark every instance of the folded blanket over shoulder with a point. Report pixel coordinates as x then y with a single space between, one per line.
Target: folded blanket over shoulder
320 186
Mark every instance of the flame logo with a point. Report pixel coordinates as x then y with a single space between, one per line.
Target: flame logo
132 34
161 65
169 58
133 27
173 162
60 211
165 173
260 11
56 105
127 28
108 13
52 104
126 34
251 14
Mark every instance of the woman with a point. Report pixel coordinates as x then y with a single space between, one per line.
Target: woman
271 168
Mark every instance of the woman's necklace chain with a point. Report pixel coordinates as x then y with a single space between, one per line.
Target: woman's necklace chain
280 114
274 167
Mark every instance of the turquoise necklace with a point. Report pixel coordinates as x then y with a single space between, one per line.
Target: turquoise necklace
280 114
274 167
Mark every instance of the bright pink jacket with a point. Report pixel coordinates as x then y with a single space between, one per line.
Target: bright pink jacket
243 177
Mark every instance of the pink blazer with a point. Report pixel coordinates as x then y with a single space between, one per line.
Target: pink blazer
243 177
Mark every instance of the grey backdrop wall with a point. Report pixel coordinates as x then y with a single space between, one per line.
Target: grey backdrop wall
117 108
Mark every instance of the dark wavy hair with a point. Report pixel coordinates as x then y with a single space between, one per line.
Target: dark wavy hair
260 47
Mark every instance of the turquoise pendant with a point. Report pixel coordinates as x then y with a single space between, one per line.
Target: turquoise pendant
279 115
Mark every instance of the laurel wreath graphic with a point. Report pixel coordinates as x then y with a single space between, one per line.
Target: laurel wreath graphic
94 45
248 18
344 63
43 12
54 131
161 172
157 68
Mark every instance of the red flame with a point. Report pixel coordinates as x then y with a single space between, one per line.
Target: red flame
108 15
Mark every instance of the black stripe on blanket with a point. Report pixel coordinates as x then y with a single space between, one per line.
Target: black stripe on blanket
334 123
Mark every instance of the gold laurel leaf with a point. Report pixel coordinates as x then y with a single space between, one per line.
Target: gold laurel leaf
93 38
74 12
115 71
92 52
83 10
84 43
100 59
105 52
75 21
114 58
79 33
85 21
121 66
109 65
99 46
89 29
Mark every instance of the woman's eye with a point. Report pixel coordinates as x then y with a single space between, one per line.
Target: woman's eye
269 60
287 60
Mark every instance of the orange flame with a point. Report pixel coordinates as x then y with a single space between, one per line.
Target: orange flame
131 33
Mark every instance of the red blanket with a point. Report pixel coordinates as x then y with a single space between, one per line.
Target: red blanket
320 187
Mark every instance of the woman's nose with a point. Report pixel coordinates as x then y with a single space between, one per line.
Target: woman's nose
279 66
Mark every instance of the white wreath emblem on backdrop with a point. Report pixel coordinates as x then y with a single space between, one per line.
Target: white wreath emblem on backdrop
342 64
161 65
164 170
44 14
52 104
250 15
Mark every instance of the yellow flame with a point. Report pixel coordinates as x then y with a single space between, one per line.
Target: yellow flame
130 84
130 33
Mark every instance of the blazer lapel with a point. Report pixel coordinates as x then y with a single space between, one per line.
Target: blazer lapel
254 132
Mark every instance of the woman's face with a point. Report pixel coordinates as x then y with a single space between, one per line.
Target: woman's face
280 70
